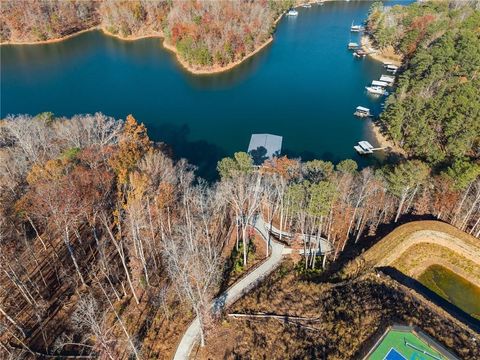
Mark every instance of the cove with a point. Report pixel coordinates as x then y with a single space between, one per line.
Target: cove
304 86
453 288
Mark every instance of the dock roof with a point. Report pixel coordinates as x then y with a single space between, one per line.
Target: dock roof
264 146
361 108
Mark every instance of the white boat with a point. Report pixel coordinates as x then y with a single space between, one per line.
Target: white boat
379 83
292 12
307 5
376 90
356 28
362 112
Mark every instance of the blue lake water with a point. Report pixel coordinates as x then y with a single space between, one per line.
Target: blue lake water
304 86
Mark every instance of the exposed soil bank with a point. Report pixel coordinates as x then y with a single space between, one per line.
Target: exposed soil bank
386 55
383 140
194 69
49 41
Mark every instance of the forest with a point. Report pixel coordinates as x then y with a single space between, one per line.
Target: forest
434 112
204 33
110 247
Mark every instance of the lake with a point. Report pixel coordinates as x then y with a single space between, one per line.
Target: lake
304 86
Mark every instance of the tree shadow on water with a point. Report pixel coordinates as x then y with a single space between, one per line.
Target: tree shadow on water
200 153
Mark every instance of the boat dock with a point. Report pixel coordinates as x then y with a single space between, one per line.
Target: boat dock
388 79
353 45
365 148
362 112
379 83
391 68
264 146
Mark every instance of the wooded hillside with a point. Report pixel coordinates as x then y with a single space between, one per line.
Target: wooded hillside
205 33
434 112
109 247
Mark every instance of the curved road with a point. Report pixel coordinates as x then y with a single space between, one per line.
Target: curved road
232 294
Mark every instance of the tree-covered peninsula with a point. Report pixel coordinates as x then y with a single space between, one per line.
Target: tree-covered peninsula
434 112
206 35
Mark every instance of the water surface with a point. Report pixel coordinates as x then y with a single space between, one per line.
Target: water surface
453 288
304 86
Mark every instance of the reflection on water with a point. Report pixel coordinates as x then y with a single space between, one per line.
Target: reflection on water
453 288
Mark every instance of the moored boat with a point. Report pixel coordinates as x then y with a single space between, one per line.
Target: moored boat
292 12
307 5
356 28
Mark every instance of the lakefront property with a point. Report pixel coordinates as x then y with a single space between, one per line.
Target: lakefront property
239 179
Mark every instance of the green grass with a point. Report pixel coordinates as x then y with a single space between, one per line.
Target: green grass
396 339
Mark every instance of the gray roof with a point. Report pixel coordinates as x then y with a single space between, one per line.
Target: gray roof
264 146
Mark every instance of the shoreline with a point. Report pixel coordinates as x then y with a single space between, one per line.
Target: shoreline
196 70
379 55
50 41
383 140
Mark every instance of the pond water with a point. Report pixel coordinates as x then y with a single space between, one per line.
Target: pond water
453 288
304 86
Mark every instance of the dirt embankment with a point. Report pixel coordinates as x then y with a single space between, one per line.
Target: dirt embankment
412 246
387 55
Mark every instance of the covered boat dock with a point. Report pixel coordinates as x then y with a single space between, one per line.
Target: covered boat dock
264 146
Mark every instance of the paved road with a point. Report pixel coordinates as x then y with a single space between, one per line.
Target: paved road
235 292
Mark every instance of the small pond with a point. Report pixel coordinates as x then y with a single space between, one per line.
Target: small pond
453 288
